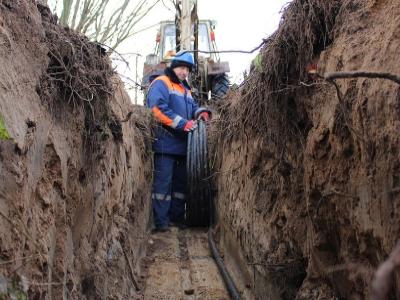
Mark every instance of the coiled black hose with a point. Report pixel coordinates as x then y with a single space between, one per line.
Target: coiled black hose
200 206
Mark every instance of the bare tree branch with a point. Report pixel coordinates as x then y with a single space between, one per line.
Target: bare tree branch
113 20
99 20
77 5
66 11
130 25
108 22
87 15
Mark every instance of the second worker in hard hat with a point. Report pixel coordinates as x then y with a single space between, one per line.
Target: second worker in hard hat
173 106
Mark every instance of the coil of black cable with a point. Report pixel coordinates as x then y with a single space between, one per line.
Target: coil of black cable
199 210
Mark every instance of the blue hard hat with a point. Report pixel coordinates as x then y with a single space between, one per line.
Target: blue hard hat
183 58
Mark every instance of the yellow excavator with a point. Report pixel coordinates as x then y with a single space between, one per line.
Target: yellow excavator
209 79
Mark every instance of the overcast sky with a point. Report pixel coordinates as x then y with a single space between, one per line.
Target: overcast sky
241 25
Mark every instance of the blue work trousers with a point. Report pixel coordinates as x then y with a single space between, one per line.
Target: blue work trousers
169 189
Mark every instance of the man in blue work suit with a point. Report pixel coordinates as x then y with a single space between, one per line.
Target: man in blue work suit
172 105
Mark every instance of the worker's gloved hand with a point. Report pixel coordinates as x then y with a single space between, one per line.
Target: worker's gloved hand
205 116
190 125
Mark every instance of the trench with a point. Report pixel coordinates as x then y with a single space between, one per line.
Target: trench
305 183
189 260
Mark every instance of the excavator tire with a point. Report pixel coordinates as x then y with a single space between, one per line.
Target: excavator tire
219 86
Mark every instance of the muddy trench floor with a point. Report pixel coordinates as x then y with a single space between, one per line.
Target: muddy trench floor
179 265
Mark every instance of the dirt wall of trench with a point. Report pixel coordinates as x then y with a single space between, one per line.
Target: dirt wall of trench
74 179
308 185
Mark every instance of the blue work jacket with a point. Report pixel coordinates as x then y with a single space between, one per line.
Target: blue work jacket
172 105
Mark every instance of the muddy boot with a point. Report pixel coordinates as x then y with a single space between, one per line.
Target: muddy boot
161 229
180 225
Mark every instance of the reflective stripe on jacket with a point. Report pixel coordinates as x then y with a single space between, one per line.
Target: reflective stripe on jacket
172 106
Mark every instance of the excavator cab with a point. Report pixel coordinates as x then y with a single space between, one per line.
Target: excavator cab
209 79
167 39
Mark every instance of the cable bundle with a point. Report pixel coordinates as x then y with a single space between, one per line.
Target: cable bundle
199 205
